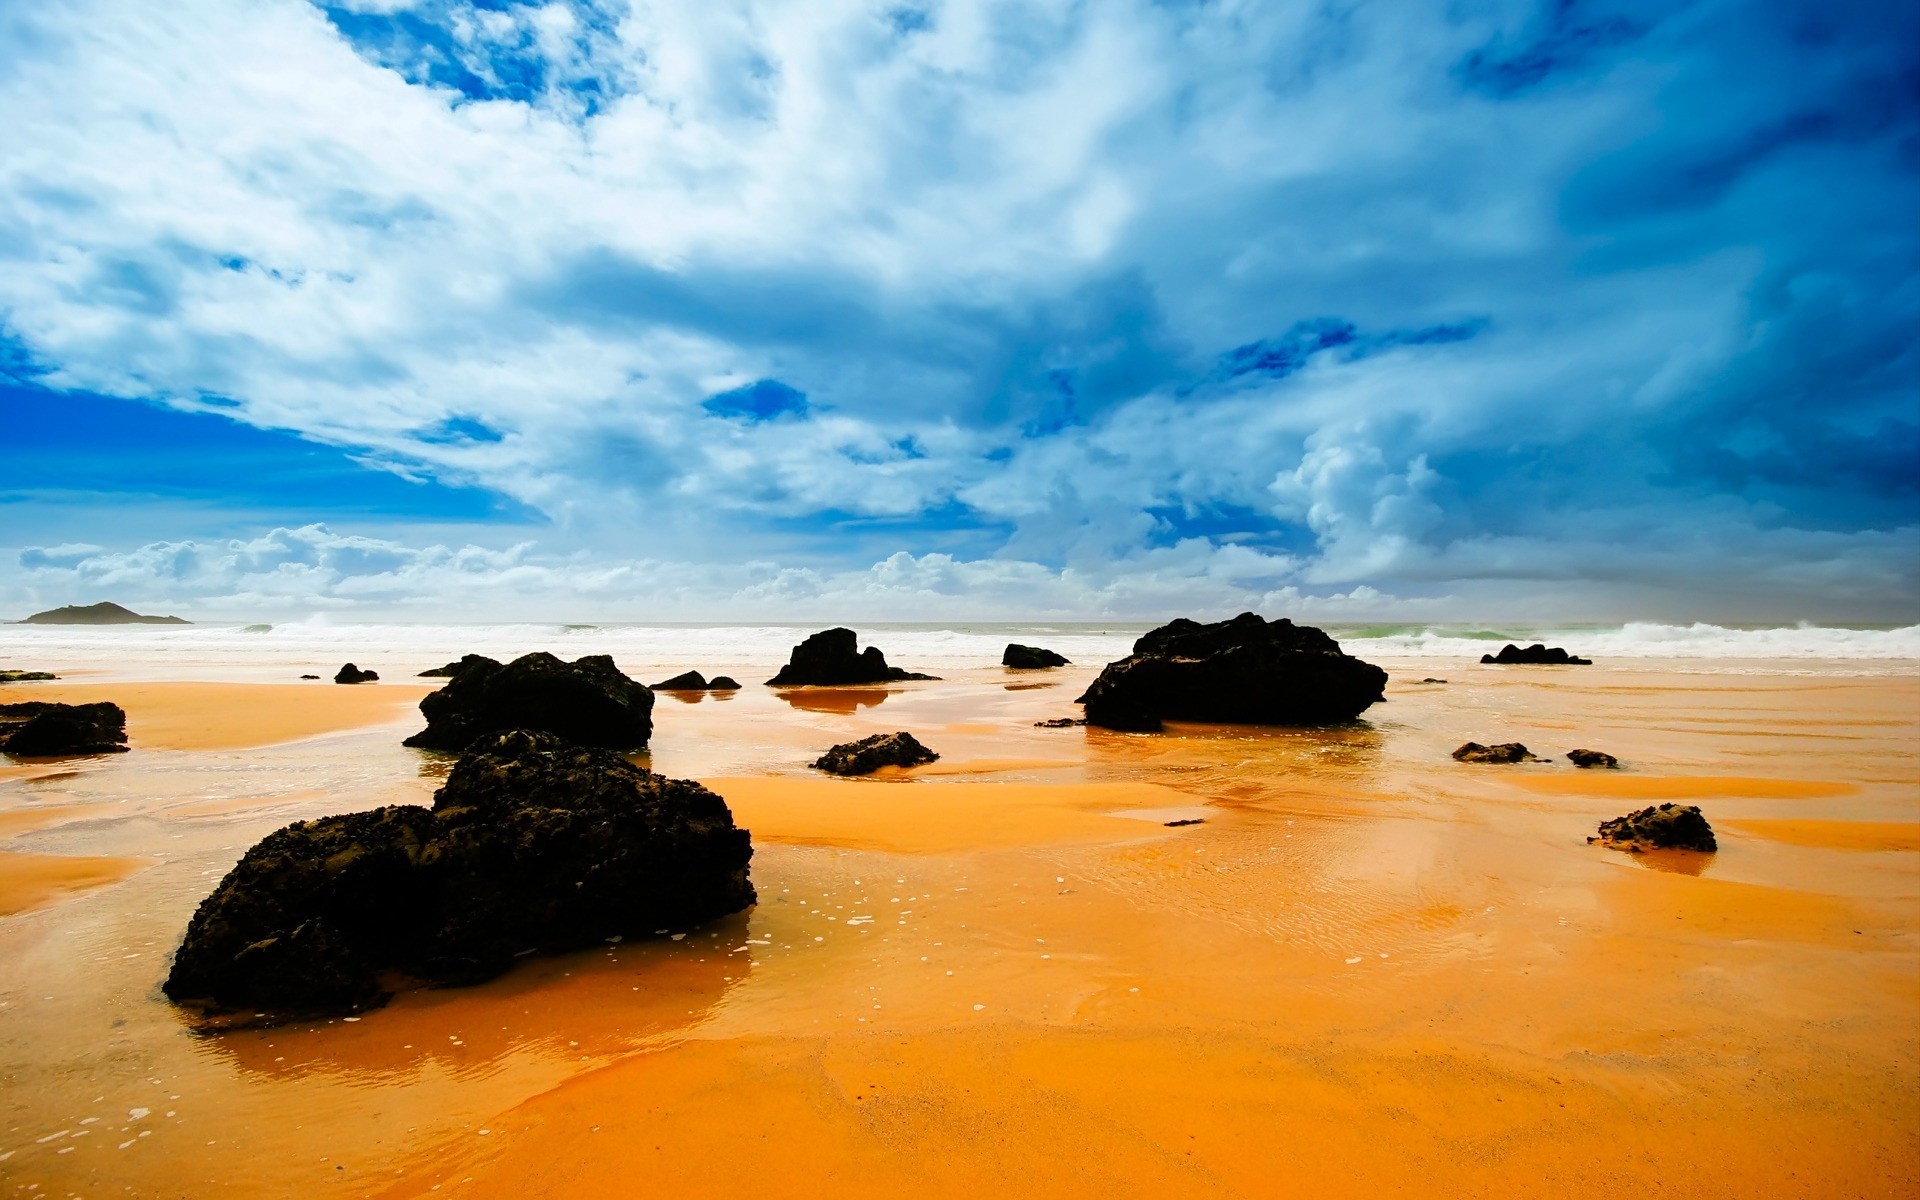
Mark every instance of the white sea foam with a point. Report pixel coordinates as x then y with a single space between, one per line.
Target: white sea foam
751 652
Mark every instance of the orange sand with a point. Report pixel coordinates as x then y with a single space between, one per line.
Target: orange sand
30 880
226 716
1370 971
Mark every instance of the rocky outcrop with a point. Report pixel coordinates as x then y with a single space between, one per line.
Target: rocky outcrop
1505 752
833 656
25 676
1030 658
103 613
454 668
694 681
1667 827
868 755
1244 671
1535 655
532 845
1593 758
352 674
38 729
588 701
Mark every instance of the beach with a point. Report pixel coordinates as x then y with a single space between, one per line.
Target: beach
1368 969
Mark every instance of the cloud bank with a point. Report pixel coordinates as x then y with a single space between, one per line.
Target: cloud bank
1005 307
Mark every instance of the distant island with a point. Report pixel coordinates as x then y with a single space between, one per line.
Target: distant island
103 613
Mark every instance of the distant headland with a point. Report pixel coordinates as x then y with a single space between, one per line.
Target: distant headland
103 613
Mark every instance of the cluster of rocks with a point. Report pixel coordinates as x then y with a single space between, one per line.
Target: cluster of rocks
694 681
869 754
1516 752
1537 654
832 657
352 674
588 701
1245 671
1664 827
38 729
533 845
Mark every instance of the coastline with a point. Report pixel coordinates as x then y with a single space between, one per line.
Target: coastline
1371 968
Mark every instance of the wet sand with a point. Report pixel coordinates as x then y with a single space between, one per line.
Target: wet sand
1369 970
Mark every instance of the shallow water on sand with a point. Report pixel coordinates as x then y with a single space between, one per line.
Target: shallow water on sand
1370 968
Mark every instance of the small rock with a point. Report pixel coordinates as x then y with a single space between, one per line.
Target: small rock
1593 758
1535 655
1667 827
1030 658
353 674
25 676
1185 821
309 677
1505 752
1431 679
723 683
870 754
1059 722
36 729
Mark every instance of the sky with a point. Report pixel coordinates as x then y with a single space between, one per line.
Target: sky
844 309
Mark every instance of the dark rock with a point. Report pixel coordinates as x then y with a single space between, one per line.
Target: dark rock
1535 655
37 729
588 701
1030 658
1244 671
352 674
870 754
1185 821
103 613
1431 679
833 656
1593 758
723 683
1505 752
25 676
532 844
454 668
1059 722
309 677
1668 827
691 681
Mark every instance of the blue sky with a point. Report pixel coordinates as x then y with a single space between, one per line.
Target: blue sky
1583 309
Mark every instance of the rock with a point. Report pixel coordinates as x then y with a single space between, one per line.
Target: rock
588 701
1535 655
1593 758
25 676
103 613
723 683
870 754
833 656
1059 722
353 674
1431 679
532 844
1244 671
37 729
454 668
1030 658
309 677
691 681
1668 827
1184 821
1505 752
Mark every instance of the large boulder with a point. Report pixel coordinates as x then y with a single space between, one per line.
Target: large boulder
1537 654
533 844
1590 759
1030 658
833 656
588 701
869 754
39 729
1667 827
1246 671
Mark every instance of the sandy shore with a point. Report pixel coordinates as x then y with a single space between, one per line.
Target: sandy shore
1369 970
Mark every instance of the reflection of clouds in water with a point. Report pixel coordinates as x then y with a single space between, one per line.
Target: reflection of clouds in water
841 701
587 1004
